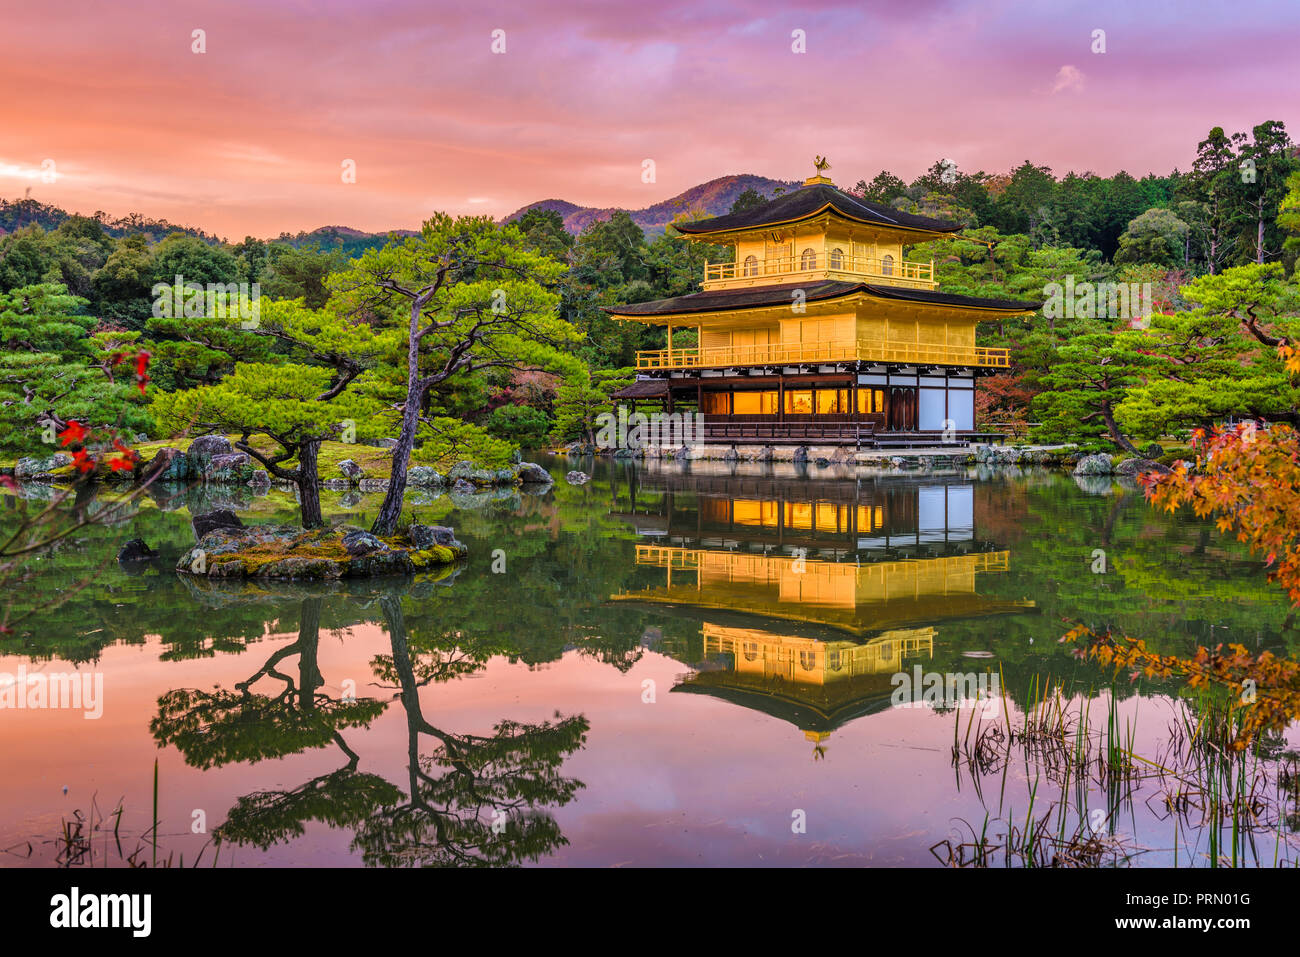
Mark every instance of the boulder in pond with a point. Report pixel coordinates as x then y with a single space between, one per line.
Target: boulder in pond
424 476
469 472
202 450
1100 464
218 518
426 536
361 542
577 478
530 473
230 468
351 470
136 550
169 465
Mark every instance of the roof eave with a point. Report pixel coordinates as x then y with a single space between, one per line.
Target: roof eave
692 230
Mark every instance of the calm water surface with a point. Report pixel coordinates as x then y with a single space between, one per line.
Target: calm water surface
670 665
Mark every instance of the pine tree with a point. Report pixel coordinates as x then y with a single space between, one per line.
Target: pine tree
295 405
465 295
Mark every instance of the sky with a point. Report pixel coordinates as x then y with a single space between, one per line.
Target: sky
108 106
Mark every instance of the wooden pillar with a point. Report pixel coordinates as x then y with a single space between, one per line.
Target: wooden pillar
670 346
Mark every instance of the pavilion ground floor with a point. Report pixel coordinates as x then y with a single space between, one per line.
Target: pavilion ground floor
860 404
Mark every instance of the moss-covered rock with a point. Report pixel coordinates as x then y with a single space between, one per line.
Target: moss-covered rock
286 552
41 466
425 476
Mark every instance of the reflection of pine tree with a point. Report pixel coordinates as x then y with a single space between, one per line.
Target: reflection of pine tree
214 728
475 800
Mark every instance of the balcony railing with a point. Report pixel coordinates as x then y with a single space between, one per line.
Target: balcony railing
692 559
796 353
822 265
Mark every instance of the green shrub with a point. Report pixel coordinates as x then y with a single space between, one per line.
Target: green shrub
519 423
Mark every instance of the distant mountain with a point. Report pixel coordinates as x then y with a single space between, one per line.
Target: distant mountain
18 213
351 242
712 198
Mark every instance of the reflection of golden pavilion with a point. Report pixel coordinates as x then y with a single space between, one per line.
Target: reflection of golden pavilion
851 596
812 598
811 661
814 684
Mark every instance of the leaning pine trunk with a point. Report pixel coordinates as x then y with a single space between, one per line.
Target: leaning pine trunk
1116 435
308 489
391 510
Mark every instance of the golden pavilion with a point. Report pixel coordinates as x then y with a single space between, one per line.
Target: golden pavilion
820 329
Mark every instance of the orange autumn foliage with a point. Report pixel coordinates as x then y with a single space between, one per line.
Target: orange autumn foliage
1268 687
1247 478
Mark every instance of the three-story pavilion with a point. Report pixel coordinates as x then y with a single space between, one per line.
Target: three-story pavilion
819 330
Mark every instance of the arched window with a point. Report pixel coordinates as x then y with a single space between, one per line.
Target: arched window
807 660
837 258
887 266
751 266
751 650
833 661
807 260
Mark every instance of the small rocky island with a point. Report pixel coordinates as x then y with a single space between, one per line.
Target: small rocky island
227 548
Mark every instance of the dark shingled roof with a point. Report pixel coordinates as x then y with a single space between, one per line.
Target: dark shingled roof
947 298
807 202
641 389
716 300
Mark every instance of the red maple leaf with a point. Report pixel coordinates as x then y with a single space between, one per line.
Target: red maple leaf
82 461
119 464
74 432
142 370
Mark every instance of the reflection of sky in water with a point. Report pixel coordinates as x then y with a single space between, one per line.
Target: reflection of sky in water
793 666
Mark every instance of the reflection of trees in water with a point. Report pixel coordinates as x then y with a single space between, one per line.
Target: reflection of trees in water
212 728
474 799
471 800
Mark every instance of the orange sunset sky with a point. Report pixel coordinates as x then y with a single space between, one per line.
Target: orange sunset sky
249 137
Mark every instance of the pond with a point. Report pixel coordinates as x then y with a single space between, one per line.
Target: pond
672 664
